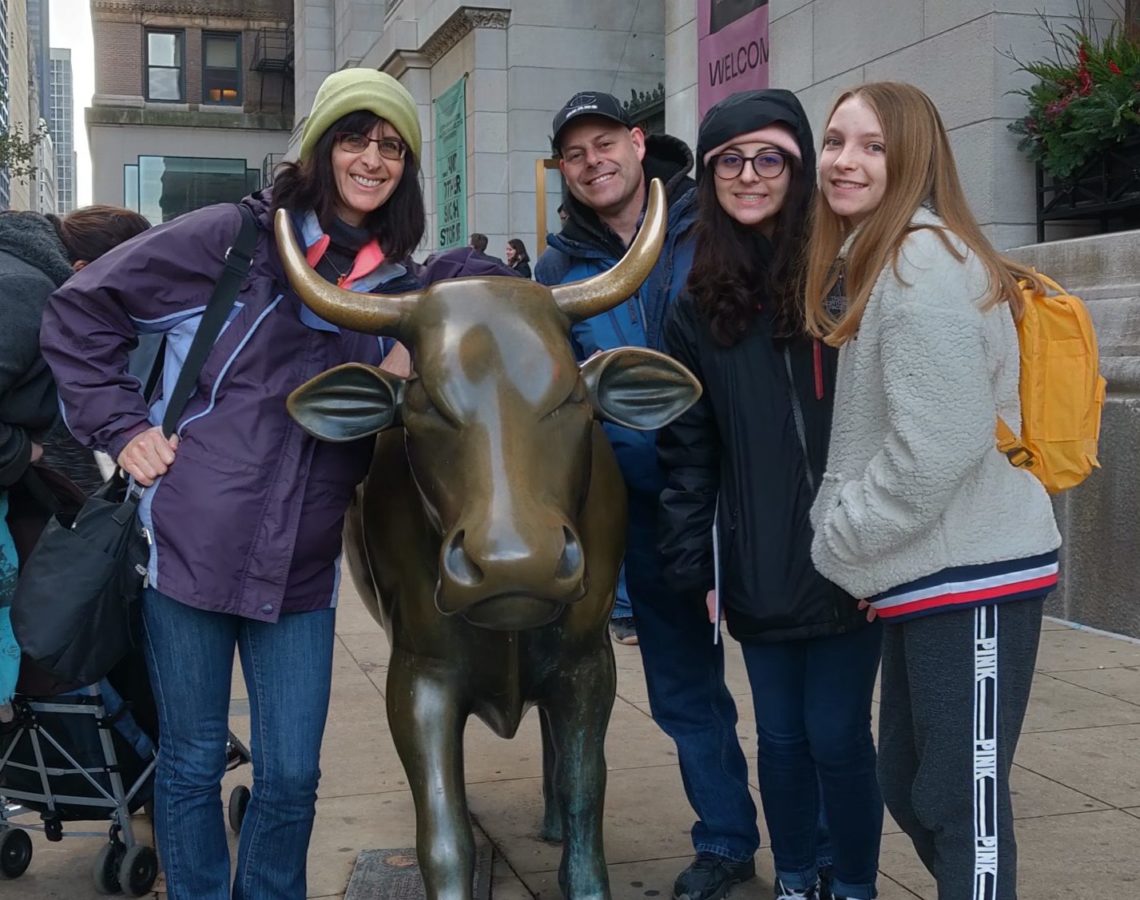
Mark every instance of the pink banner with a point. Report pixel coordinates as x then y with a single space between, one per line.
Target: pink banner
732 49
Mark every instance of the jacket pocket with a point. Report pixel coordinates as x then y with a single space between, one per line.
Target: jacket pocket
826 499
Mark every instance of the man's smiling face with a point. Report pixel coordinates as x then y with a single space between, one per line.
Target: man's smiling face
601 162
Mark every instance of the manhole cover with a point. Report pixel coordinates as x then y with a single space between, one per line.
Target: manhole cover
395 874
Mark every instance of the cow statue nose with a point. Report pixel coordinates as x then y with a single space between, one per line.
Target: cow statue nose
544 567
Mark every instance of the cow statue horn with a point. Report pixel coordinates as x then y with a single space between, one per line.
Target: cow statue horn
382 313
366 313
581 299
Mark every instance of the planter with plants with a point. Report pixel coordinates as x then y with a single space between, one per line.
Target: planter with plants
1082 127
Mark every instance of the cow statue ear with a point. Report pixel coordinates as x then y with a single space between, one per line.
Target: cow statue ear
349 402
639 388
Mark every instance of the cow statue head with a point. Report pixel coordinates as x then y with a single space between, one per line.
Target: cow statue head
498 417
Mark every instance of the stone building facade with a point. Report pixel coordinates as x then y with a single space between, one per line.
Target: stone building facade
521 61
193 100
523 58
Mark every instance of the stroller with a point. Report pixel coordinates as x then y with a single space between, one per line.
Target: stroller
88 754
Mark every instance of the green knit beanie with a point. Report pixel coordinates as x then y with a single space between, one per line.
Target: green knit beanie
351 90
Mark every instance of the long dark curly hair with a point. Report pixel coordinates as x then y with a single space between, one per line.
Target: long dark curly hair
736 269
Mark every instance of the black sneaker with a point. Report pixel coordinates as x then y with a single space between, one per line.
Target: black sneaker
785 893
710 876
825 884
623 630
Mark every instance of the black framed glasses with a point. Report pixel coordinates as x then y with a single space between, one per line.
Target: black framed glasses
766 164
355 142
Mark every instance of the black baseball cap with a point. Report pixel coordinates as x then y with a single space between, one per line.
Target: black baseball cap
589 103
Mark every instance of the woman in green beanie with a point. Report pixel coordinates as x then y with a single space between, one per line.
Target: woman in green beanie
244 509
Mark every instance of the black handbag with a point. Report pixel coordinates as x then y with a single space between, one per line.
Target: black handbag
74 611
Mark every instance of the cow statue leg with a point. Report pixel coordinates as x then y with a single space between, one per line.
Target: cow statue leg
551 809
427 720
578 711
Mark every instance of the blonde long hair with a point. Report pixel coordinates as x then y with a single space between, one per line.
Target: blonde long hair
920 168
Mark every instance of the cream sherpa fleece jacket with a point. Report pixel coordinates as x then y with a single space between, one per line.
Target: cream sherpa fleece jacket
914 481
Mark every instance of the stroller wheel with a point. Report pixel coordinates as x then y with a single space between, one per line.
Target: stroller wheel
239 800
138 870
15 852
105 872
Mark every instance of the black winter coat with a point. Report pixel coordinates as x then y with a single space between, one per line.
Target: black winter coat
740 442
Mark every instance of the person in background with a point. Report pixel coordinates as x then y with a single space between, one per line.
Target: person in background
37 254
517 257
746 460
244 507
478 242
920 515
606 164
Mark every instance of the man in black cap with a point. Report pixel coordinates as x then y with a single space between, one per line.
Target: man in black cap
606 164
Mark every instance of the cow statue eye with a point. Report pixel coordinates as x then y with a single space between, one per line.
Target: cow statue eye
418 402
577 396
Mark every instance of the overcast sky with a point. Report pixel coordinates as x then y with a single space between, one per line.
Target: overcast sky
71 28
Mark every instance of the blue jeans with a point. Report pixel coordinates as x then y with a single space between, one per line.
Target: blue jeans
622 607
684 674
288 673
813 722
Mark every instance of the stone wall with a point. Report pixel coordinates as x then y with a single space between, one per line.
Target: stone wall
1100 559
522 60
952 50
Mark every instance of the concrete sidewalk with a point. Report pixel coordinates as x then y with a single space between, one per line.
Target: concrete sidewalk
1076 783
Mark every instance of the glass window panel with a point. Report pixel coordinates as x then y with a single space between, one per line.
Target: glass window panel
163 49
130 187
221 52
165 84
172 185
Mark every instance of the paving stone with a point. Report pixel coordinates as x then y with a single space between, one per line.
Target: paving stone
1071 650
898 861
346 825
371 653
1034 796
1103 763
1079 856
1122 682
1058 705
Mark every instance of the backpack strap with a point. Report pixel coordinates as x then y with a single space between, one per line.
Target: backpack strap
1019 456
239 258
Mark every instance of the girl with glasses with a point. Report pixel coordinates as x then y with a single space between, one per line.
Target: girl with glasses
744 464
244 507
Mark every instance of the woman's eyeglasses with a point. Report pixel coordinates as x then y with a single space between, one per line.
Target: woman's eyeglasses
354 142
769 164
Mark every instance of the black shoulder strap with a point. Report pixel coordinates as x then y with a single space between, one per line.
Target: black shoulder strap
239 257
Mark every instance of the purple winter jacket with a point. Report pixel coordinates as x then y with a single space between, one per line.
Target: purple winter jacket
248 518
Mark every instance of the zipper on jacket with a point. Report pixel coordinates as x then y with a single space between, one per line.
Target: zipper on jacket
798 416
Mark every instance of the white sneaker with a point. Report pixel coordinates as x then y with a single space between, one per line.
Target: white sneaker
786 893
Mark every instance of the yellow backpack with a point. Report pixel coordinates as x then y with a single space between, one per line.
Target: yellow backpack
1061 389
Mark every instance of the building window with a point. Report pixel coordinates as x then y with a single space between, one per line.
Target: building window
162 187
221 69
164 79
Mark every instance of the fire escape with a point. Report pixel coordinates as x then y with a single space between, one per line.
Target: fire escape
273 58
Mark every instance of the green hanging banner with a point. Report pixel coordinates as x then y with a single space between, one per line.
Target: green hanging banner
451 165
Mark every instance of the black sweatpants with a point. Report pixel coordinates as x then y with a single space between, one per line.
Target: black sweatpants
955 686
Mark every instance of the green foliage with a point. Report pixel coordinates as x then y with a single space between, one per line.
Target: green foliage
18 152
1085 100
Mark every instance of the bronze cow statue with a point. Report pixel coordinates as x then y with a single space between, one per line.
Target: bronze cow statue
487 537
